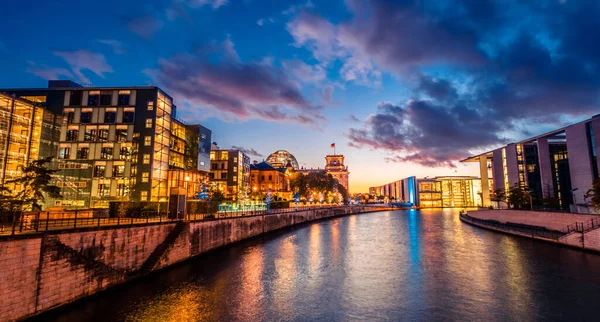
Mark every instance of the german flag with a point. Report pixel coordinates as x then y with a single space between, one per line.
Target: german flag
333 145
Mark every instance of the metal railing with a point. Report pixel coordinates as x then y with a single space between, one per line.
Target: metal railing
529 230
581 227
41 221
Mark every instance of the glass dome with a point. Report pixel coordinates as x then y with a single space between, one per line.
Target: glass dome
280 159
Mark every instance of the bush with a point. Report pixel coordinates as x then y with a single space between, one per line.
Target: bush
202 207
280 204
135 209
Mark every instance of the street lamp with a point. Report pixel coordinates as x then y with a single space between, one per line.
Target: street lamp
574 199
531 199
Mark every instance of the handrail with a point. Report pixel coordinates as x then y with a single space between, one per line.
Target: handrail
529 230
582 227
34 224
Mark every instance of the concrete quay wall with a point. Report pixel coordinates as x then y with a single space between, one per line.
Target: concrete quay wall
44 271
501 221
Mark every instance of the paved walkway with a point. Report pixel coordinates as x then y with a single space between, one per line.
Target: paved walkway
550 220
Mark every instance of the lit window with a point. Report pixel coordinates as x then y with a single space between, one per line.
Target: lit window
146 158
148 123
148 141
145 176
235 159
150 106
144 196
123 98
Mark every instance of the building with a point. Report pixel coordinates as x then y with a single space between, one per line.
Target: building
120 143
28 132
559 165
334 165
230 173
264 178
436 192
281 159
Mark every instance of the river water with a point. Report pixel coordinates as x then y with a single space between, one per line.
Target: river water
400 266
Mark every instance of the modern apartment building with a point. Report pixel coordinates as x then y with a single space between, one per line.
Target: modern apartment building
27 132
436 192
230 173
120 143
560 164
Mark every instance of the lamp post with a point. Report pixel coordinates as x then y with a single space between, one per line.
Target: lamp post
574 199
531 199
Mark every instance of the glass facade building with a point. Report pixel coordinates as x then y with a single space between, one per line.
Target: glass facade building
119 144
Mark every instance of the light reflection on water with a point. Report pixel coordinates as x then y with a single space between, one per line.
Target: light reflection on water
401 265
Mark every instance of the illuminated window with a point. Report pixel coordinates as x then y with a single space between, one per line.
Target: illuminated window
110 117
83 152
69 116
144 196
105 98
93 98
128 116
145 176
121 135
148 123
103 135
99 170
72 135
150 106
118 171
124 97
106 153
103 189
147 141
64 153
146 158
91 134
85 117
235 159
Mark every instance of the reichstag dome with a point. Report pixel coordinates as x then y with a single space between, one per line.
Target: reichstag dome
280 159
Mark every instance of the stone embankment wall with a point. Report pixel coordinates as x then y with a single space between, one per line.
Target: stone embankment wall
44 271
498 220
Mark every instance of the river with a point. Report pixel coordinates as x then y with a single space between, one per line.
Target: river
395 265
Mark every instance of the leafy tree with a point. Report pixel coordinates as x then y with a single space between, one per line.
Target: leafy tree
593 194
497 196
34 186
299 184
517 197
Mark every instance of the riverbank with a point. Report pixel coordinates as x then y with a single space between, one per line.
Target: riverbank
572 230
47 270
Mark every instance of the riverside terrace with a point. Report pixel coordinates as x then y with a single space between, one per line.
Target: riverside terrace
43 221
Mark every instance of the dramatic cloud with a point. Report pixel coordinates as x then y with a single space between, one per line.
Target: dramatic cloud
117 46
248 151
80 60
230 88
305 72
476 74
425 133
48 72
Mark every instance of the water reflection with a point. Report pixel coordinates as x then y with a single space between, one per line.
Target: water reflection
401 265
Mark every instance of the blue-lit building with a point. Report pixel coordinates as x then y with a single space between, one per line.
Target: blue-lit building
436 192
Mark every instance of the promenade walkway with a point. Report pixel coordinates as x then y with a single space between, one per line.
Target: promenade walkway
550 220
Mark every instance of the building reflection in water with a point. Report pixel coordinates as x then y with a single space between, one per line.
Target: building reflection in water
185 303
285 277
250 296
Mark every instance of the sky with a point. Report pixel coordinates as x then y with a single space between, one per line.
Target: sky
401 87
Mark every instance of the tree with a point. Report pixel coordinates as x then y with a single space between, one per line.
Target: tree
34 185
517 197
497 196
593 194
299 184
